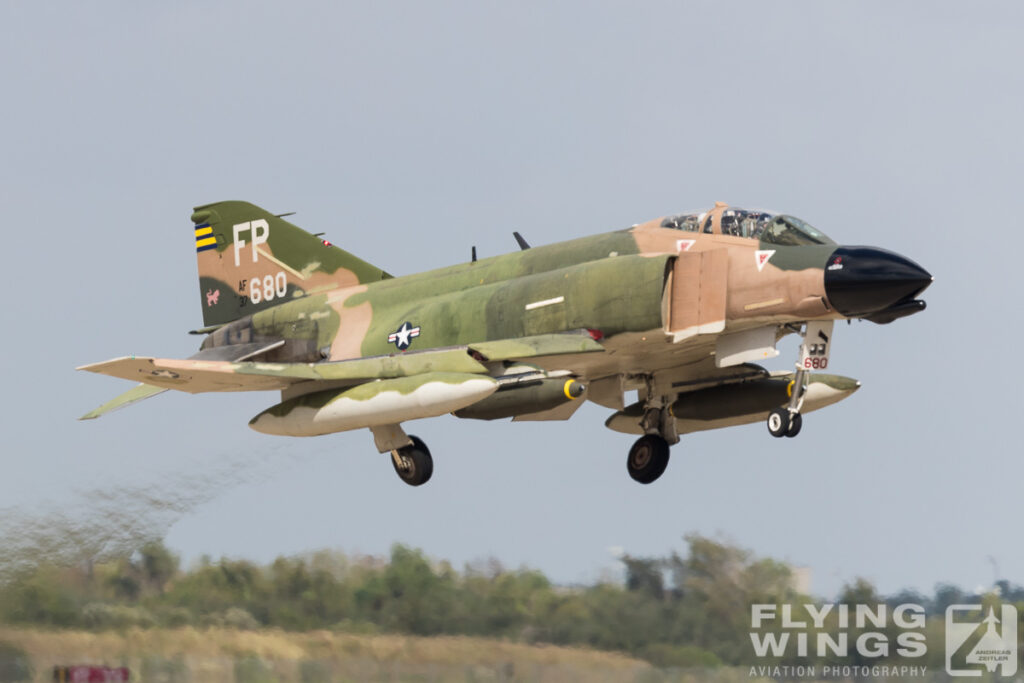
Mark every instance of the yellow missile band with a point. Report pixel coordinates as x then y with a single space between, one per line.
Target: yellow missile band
204 231
206 242
565 388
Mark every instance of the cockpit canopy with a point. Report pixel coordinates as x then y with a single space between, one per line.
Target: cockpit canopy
766 226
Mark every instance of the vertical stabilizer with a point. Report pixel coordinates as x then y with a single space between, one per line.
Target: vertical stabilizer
250 259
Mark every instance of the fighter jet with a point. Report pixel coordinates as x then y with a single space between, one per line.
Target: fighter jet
678 309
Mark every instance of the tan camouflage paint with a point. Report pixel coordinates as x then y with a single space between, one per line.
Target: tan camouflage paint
354 323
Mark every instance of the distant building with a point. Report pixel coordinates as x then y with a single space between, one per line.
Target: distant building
800 579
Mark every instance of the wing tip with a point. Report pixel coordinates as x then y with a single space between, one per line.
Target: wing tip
98 367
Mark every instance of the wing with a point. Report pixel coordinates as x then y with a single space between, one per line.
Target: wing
203 373
201 376
235 352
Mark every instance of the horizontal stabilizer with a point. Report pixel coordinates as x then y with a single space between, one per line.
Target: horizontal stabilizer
129 397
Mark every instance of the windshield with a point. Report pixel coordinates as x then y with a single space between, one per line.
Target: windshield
791 231
766 226
689 222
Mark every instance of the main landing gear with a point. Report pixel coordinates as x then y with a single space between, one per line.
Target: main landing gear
413 463
814 352
409 455
648 457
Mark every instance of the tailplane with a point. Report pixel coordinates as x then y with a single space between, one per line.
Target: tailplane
250 259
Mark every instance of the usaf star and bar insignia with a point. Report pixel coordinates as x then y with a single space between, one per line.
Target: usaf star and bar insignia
403 336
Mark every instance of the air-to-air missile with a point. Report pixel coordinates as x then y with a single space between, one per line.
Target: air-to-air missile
678 309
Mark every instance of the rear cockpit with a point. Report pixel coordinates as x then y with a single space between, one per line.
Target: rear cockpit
765 226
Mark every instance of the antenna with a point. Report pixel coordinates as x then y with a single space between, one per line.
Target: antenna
523 244
474 253
995 570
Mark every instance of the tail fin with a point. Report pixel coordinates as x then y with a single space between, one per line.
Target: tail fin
250 259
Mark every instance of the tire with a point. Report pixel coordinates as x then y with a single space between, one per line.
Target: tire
419 463
795 423
647 459
778 422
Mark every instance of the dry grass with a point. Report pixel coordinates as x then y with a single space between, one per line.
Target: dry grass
188 654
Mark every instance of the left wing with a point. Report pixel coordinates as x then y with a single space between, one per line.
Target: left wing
200 376
206 373
236 352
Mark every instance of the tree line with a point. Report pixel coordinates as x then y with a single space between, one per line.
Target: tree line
679 610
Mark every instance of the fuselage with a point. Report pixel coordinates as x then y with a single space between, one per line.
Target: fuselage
639 290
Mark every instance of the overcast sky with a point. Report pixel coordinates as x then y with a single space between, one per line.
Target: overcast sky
409 132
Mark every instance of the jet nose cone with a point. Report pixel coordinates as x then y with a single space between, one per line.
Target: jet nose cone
865 280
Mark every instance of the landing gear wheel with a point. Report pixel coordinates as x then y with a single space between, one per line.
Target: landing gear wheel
413 462
778 422
648 458
795 423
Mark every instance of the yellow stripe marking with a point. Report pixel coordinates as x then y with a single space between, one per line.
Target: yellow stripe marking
565 389
204 231
204 242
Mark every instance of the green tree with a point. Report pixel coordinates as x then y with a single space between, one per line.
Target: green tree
159 565
15 664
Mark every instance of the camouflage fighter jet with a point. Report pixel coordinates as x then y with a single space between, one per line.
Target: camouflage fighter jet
677 309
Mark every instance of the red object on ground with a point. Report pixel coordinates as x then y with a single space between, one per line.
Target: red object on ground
91 674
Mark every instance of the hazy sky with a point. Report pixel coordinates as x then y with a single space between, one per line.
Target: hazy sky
409 132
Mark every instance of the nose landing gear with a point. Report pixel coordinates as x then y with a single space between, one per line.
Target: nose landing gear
781 423
814 353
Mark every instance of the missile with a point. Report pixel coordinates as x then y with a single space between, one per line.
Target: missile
737 404
383 402
521 399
